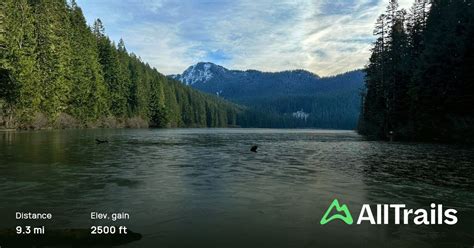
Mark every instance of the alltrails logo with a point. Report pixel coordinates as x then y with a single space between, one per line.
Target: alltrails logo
400 214
346 217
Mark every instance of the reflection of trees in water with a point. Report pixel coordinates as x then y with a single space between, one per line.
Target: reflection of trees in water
433 164
60 169
34 147
418 175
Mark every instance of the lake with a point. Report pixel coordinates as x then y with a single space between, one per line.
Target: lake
204 188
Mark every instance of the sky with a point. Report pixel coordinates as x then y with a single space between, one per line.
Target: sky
326 37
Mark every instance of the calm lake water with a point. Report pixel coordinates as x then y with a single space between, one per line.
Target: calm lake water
204 188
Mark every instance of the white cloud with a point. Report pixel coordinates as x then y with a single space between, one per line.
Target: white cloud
160 47
326 36
153 5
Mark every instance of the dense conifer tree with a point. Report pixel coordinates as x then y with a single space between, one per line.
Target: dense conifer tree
419 79
88 96
52 64
53 54
18 60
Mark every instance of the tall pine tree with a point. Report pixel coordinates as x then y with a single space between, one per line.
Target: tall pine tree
54 55
19 83
88 96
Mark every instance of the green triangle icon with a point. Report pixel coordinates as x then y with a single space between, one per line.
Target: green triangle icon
346 217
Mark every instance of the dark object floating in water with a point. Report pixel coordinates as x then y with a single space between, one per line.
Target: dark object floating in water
254 149
98 141
66 238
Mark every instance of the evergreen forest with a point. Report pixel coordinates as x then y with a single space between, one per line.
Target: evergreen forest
57 72
420 78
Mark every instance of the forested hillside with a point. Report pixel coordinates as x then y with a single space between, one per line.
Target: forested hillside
286 99
330 102
420 79
56 72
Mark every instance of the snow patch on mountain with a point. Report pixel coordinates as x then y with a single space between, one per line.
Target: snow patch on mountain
200 72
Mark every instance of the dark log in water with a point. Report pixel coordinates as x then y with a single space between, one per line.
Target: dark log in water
99 141
254 148
66 237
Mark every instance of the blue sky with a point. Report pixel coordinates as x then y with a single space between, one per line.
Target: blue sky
326 37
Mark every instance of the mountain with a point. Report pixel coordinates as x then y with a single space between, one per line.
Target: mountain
235 84
296 98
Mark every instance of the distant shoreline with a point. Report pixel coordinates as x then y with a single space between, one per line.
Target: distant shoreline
2 129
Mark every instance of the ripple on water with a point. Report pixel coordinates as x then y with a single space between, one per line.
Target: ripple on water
205 184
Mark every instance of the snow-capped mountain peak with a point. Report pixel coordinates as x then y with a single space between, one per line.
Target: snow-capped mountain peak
201 72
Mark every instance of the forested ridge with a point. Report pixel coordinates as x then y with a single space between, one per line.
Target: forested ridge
286 99
57 72
420 78
330 103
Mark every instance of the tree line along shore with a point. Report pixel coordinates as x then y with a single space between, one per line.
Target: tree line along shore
57 72
420 77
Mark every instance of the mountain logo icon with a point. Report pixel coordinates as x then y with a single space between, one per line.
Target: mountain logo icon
345 216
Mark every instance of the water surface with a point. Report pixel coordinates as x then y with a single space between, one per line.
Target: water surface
204 188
